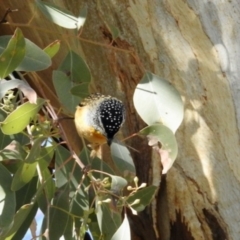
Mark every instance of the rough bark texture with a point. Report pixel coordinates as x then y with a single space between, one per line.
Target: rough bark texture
194 45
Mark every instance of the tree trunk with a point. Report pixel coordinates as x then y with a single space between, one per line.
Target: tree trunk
195 46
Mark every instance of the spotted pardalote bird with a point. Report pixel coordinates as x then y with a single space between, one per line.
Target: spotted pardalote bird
98 118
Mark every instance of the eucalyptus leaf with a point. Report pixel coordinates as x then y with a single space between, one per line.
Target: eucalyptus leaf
19 219
25 194
82 17
3 115
24 174
57 15
35 59
21 117
52 49
5 86
99 213
63 170
45 156
123 232
122 158
59 214
81 90
100 165
111 221
13 151
76 68
20 233
48 190
145 196
12 54
169 147
157 101
35 150
118 183
62 86
7 198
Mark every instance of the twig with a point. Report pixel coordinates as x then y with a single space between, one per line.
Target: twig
3 20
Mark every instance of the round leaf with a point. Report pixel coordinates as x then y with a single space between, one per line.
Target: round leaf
165 136
76 68
81 90
157 101
35 58
118 183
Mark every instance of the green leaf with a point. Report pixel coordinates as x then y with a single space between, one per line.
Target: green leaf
157 101
57 15
4 140
19 219
20 233
22 138
169 147
113 30
26 193
122 158
145 196
111 221
13 151
123 232
58 214
62 85
7 198
21 117
47 193
35 150
52 49
82 17
70 173
3 115
81 90
100 165
45 156
13 54
118 183
35 58
23 175
63 170
24 196
76 68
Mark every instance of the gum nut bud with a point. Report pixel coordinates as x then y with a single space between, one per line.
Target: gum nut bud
143 185
129 188
135 179
136 202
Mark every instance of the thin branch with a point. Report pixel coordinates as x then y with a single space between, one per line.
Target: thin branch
3 20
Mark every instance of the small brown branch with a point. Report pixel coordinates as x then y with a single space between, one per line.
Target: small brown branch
3 20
